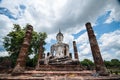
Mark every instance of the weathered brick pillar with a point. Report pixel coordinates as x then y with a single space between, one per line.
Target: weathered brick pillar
99 64
40 54
70 55
21 61
48 54
40 51
75 50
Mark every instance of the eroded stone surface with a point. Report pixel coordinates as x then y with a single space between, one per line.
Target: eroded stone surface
75 50
99 64
58 75
21 61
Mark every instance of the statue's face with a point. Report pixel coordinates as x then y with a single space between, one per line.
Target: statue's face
59 38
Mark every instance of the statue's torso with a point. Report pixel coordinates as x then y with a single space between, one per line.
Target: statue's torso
59 49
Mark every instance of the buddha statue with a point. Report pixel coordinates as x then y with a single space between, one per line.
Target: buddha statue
59 53
60 49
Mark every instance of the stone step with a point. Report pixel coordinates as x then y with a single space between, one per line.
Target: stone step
62 73
60 68
58 77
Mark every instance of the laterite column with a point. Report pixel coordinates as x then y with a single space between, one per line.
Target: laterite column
75 50
99 64
40 54
21 61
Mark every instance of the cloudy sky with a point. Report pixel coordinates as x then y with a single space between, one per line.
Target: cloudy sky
70 16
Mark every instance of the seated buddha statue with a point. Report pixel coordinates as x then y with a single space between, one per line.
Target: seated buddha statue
59 53
60 49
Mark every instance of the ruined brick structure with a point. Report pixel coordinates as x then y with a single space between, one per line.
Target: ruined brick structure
70 55
40 54
99 64
75 50
21 61
59 58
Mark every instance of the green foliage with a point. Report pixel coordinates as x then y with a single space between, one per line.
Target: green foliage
108 64
36 39
32 62
14 39
87 63
114 63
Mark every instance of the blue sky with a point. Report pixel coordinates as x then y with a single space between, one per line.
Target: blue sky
70 16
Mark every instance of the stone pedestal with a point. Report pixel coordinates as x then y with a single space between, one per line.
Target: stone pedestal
21 61
75 50
99 64
60 67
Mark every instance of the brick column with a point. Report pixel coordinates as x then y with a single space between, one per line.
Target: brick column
70 55
21 61
99 64
48 54
75 50
40 54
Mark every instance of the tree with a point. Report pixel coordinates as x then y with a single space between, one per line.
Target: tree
88 63
115 63
14 39
108 64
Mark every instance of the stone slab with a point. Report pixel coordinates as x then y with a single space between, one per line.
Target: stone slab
46 75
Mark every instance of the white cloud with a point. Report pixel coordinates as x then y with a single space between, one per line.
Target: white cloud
48 16
31 56
68 38
3 53
84 49
110 45
51 37
5 27
82 38
69 15
115 12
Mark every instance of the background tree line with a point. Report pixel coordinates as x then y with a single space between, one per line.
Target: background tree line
113 63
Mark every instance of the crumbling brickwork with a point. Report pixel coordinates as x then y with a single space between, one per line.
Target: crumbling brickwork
21 61
99 64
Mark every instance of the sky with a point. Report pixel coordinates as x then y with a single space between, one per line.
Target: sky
70 16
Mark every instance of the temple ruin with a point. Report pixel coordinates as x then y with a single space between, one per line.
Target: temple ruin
59 58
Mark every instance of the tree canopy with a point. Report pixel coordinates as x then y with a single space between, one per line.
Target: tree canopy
88 63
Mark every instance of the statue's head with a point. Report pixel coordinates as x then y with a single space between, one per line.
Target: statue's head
59 37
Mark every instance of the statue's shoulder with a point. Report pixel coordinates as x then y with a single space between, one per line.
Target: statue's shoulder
65 44
54 45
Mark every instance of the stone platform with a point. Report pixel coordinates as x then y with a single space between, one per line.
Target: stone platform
60 68
58 75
